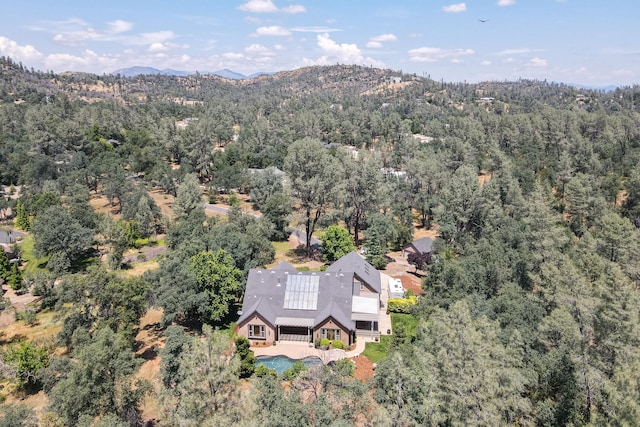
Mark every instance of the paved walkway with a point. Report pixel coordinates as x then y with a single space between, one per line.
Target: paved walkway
300 350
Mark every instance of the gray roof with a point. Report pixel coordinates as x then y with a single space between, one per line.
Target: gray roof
284 265
270 291
355 263
423 245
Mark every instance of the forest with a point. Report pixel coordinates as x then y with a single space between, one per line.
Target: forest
528 313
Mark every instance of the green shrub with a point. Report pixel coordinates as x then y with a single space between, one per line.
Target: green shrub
401 305
29 317
316 343
345 367
337 344
291 373
324 343
264 371
379 262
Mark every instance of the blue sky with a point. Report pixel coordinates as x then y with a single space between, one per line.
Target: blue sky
591 42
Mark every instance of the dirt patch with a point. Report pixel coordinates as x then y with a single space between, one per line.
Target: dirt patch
364 368
149 340
100 204
143 254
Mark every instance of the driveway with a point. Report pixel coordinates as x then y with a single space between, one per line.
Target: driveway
223 210
10 237
301 235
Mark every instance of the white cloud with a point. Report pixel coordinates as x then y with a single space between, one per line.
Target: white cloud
89 61
376 41
538 62
455 8
384 38
485 63
158 47
506 2
155 37
17 52
434 54
513 51
258 49
344 53
314 30
294 8
119 26
259 6
233 56
274 30
279 47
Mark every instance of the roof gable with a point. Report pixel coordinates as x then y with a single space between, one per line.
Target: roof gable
423 245
365 272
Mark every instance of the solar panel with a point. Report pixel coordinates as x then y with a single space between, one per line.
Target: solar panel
301 292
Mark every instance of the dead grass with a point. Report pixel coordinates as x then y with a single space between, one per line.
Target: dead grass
139 268
149 341
45 330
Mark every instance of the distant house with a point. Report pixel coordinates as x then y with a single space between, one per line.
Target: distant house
283 304
418 246
394 173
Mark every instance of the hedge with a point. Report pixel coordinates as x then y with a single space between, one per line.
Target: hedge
401 305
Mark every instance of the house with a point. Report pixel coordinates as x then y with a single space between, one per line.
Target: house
284 304
418 246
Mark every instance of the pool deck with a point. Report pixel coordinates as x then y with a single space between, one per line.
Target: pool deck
300 350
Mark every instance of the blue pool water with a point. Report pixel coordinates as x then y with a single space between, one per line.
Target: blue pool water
282 363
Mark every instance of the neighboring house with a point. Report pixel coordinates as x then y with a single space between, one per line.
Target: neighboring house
284 304
418 246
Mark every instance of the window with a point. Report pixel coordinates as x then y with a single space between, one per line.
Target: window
331 334
256 331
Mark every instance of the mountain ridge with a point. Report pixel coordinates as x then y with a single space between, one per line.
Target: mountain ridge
137 70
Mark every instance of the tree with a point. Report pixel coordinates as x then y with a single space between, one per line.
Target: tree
27 360
419 259
247 358
362 192
22 219
189 198
265 184
276 210
138 206
457 372
57 233
99 380
217 276
115 237
79 207
177 342
312 172
336 243
17 416
207 392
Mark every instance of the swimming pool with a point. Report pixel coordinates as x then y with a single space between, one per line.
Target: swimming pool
282 363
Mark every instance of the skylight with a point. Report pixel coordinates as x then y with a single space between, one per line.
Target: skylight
301 292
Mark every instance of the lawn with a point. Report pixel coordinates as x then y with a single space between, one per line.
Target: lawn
406 321
376 351
31 262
